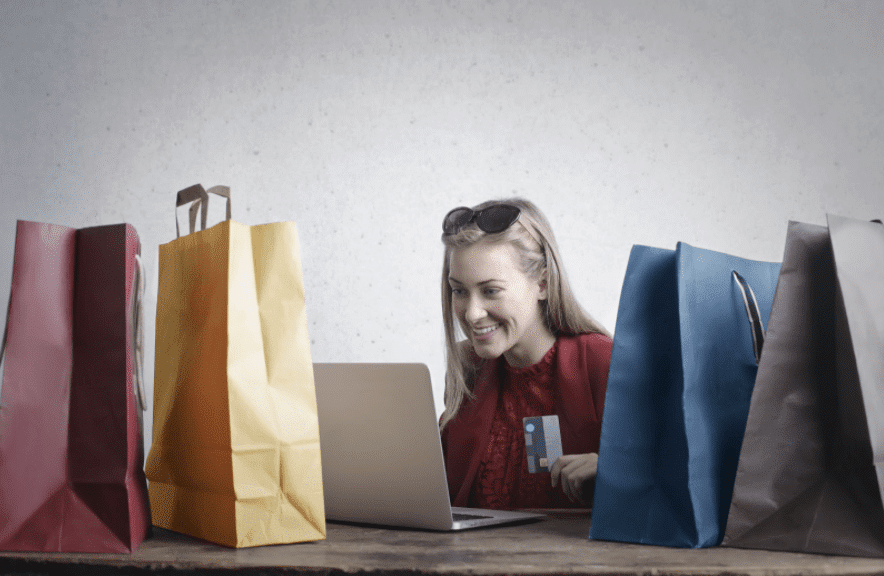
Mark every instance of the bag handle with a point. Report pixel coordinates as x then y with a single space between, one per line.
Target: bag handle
190 194
137 314
755 324
198 197
5 332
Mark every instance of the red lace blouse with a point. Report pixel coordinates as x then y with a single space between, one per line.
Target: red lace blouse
503 480
484 444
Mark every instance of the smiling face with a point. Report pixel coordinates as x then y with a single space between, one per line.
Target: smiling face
498 305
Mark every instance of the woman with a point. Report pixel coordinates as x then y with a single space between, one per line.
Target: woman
530 350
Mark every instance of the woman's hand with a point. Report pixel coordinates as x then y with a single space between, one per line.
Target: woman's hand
573 471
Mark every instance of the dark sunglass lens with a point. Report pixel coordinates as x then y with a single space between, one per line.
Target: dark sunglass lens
497 218
456 219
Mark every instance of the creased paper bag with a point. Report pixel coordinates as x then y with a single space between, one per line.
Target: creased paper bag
235 457
810 470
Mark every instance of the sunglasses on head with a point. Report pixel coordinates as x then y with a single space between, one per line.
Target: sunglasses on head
493 219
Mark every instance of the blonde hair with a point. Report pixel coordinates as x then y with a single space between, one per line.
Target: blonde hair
538 253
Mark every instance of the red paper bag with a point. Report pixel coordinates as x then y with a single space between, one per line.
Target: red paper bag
71 450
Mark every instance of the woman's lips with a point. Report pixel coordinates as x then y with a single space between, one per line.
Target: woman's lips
485 332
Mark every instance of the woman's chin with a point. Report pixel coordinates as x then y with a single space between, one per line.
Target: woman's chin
485 351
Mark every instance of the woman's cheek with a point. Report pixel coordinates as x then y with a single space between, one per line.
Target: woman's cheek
458 308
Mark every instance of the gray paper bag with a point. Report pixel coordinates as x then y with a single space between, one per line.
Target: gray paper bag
810 471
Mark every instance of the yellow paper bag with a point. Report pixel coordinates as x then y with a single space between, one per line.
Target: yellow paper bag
235 457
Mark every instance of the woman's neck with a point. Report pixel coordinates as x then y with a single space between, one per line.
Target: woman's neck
532 352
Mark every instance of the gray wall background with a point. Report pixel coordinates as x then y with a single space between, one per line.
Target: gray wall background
628 122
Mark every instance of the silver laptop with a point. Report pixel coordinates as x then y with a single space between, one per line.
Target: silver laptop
382 457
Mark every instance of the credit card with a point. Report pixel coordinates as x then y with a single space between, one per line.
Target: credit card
543 442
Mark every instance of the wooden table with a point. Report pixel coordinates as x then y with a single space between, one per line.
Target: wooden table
557 544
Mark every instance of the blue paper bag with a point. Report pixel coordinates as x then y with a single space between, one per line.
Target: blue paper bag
682 370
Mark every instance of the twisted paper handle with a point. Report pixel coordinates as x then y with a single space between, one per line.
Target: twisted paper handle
198 197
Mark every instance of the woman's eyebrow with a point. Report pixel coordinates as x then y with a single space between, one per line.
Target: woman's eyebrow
453 280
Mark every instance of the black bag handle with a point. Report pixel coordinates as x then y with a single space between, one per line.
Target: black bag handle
755 324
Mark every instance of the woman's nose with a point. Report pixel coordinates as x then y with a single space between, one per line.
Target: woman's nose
475 311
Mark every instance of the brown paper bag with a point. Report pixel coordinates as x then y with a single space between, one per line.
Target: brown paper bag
235 457
809 476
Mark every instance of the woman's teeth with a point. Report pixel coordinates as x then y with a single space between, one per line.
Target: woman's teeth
486 330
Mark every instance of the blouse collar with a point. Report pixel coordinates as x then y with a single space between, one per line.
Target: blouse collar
540 367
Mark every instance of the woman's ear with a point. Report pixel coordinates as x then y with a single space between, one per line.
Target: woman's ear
542 284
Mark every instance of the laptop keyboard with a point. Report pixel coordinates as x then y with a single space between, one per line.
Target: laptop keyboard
458 517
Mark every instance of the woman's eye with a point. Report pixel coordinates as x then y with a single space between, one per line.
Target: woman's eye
458 291
492 291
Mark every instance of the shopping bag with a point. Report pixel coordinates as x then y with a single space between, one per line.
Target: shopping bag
71 447
689 328
810 471
235 458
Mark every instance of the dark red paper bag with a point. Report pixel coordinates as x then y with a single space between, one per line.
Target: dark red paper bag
71 450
